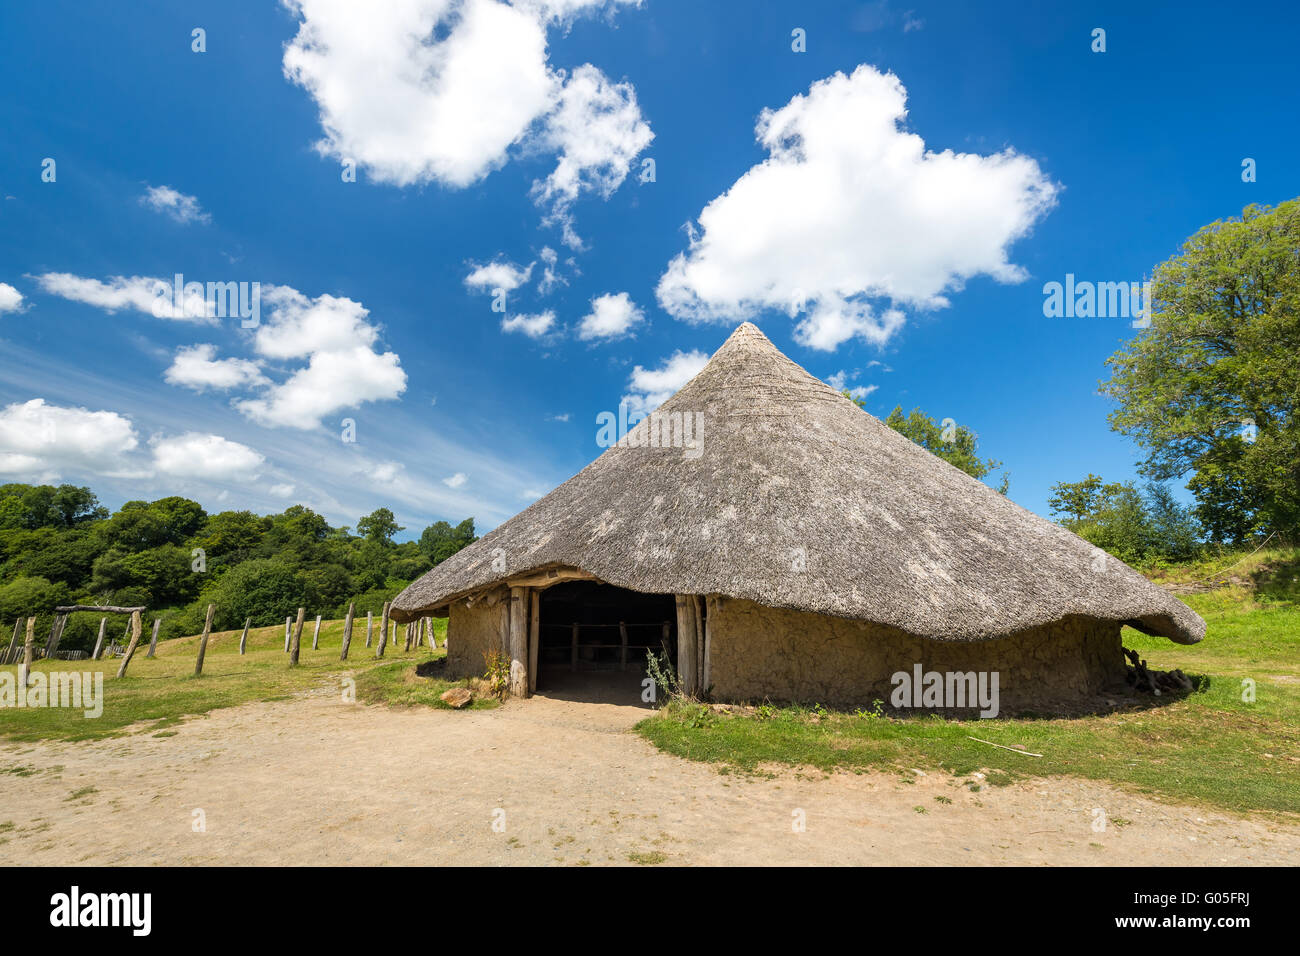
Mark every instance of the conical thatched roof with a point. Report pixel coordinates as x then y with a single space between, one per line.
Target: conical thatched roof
799 499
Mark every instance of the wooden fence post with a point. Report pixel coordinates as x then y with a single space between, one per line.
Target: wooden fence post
137 627
153 641
243 638
99 641
370 626
13 644
29 648
288 623
56 635
297 637
347 631
383 630
315 638
203 641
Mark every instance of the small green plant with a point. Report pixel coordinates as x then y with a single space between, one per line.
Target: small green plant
876 712
497 674
698 716
765 712
660 670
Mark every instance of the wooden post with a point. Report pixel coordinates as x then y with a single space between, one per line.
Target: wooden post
203 641
573 649
534 634
699 643
13 644
347 631
137 627
370 626
153 641
622 637
518 642
288 625
243 638
315 638
383 629
56 634
297 637
710 609
686 651
29 648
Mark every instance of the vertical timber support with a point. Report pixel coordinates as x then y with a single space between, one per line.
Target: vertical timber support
297 637
706 675
136 628
11 654
203 641
519 642
573 649
686 649
56 635
29 649
700 686
347 630
315 638
534 637
622 639
99 641
383 629
243 638
153 640
370 626
288 626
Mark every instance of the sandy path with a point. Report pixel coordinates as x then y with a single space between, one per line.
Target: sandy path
319 781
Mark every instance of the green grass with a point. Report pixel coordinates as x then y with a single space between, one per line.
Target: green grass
157 693
1209 747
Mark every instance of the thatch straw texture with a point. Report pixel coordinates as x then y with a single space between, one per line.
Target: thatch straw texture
796 498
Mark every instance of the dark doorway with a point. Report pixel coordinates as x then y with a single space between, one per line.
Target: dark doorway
589 627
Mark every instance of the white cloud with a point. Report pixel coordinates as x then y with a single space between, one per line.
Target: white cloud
550 274
597 130
612 316
48 441
10 298
281 491
500 274
197 367
455 481
850 218
343 370
207 457
143 294
650 388
423 91
533 326
174 204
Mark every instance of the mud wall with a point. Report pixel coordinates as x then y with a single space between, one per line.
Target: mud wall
472 631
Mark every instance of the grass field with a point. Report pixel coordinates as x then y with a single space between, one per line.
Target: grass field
156 693
1210 746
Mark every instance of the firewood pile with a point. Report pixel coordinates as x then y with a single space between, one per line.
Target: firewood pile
1142 678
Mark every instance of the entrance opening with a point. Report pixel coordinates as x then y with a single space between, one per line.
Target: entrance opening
588 627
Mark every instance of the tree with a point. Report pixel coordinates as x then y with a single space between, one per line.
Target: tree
380 525
1132 525
440 540
955 444
1212 386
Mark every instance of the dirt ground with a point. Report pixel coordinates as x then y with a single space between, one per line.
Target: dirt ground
316 780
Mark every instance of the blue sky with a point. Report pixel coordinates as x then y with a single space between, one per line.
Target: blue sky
488 134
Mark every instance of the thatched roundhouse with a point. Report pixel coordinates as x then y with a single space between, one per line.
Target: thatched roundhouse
779 542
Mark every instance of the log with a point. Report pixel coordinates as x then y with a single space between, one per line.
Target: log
99 641
137 627
544 579
370 625
686 651
315 638
29 648
13 644
297 637
699 644
243 638
56 635
534 639
383 629
710 609
347 631
153 641
288 627
203 641
518 642
107 608
407 646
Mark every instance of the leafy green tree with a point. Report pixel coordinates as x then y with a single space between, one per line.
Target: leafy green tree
440 540
955 444
147 524
380 525
1212 386
1132 525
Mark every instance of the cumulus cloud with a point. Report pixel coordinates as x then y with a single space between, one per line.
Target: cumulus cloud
206 457
612 316
281 491
10 298
145 294
499 274
533 326
650 388
455 481
851 219
174 204
198 367
442 90
46 441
